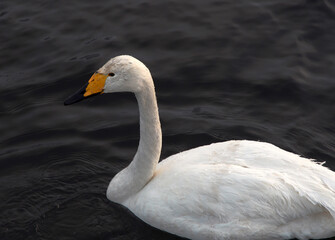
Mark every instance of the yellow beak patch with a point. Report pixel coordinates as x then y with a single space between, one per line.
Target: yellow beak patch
96 84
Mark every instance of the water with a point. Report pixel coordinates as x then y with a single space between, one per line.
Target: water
259 70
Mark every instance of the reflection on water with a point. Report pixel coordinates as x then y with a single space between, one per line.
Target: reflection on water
259 70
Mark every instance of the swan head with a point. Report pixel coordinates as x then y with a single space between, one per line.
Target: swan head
120 74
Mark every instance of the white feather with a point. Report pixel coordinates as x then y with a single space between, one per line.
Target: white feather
228 190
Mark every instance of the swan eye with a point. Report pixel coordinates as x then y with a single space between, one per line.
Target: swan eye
111 74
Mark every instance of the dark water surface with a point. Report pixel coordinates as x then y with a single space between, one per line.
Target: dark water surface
252 69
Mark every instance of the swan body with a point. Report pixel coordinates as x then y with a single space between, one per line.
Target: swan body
238 190
228 190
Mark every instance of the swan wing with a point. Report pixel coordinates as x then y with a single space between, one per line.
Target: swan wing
307 177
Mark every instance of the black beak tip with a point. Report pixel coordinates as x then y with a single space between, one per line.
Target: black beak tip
69 101
73 99
77 97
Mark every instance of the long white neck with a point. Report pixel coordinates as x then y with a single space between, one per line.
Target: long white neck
133 178
149 149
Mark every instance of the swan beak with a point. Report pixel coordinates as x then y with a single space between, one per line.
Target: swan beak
94 86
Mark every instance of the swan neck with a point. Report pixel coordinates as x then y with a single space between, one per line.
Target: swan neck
134 177
149 149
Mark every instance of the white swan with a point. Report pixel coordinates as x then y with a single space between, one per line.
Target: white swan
229 190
